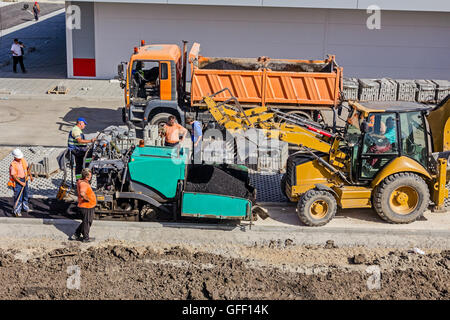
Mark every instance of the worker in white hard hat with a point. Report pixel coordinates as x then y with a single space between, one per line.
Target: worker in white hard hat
19 175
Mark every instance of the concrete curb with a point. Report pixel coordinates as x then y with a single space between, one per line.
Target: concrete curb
235 228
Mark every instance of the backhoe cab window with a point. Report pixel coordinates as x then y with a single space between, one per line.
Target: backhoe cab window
382 135
145 79
413 136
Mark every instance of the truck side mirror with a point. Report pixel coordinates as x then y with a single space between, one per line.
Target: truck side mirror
120 71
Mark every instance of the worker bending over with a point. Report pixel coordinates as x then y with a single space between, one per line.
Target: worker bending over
19 174
172 132
77 145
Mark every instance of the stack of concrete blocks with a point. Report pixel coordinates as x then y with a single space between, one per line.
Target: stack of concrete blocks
426 91
257 152
369 90
45 161
442 89
388 90
217 151
350 89
152 137
406 90
273 158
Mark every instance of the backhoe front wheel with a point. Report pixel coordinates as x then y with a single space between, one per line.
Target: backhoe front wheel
401 198
316 207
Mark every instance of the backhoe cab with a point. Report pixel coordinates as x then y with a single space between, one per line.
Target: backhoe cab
389 155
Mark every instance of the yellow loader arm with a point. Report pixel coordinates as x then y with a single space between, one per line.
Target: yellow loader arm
237 120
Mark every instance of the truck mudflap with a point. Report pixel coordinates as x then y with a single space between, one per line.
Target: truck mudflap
207 205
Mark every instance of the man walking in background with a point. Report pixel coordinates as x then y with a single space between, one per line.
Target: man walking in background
16 50
86 205
36 11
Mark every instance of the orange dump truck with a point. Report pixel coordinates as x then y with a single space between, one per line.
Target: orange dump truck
154 81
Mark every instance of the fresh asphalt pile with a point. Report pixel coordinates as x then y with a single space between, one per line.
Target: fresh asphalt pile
211 179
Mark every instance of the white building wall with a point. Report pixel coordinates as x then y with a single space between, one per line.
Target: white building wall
409 44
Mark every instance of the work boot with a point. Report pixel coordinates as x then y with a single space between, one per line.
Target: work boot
75 237
17 214
87 240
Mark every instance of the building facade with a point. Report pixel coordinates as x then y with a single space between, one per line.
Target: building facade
413 40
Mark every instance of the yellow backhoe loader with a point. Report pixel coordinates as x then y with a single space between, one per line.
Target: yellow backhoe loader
390 156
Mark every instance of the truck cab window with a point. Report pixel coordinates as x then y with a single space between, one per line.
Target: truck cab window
145 79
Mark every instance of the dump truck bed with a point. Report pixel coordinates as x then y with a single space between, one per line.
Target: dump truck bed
279 82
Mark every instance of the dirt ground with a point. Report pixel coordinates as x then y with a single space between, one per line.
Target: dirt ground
45 269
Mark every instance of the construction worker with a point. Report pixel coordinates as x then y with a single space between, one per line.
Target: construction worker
196 137
77 145
391 133
172 131
86 205
19 175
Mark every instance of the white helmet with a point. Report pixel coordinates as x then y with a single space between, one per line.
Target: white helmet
17 153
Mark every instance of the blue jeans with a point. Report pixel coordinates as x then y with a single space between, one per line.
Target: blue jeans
23 202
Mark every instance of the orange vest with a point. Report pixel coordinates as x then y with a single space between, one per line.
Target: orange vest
14 164
89 193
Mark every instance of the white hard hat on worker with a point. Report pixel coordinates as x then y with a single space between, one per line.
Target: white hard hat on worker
17 153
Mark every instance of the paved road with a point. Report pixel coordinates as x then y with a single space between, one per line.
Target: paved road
14 14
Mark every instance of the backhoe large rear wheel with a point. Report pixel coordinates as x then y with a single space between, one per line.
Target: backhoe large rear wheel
316 207
401 198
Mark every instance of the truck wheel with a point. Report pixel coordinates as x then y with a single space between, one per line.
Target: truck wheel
316 207
148 213
283 185
160 119
401 198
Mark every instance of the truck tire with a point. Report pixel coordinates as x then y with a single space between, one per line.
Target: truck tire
316 207
401 198
160 119
283 185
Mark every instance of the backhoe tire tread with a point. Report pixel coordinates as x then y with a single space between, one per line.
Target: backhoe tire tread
305 202
383 191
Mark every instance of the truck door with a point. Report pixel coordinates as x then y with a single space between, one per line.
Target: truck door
165 77
380 144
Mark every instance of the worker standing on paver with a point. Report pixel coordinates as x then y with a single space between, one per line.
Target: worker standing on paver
36 11
196 136
86 205
172 132
77 145
19 174
17 55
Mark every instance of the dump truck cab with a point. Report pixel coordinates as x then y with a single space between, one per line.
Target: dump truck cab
152 82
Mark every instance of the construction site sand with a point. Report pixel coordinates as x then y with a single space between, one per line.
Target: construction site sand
32 269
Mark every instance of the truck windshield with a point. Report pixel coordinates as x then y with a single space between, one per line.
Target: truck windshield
145 79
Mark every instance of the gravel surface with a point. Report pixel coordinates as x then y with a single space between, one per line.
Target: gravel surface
117 270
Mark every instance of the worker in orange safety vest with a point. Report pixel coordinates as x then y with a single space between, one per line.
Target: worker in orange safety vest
19 175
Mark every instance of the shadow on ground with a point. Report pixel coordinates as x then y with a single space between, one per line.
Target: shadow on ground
97 118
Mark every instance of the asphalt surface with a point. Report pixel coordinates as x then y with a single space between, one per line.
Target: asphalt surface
14 14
